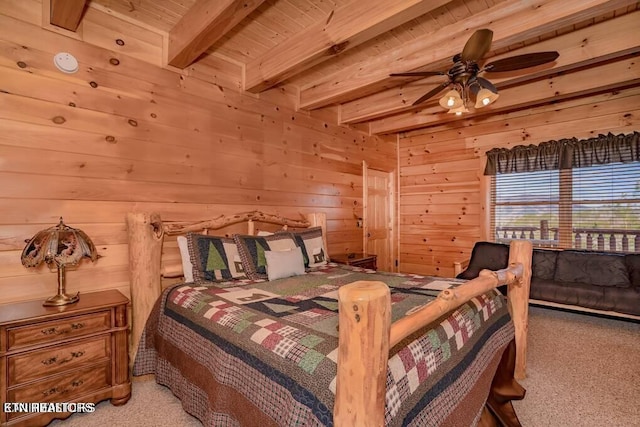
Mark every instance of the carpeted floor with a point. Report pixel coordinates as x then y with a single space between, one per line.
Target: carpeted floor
582 371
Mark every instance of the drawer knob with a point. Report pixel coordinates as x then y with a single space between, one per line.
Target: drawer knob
50 361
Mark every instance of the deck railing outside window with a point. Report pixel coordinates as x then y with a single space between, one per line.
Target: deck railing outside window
600 239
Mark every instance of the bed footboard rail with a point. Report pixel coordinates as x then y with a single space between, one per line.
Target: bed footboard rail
450 299
366 333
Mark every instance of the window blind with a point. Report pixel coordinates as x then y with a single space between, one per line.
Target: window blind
595 207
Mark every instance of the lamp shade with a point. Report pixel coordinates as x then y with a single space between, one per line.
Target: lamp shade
485 97
451 99
60 246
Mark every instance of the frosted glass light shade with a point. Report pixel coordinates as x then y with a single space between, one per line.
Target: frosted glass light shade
485 97
451 99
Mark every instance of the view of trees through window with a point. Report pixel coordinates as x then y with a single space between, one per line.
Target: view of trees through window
595 207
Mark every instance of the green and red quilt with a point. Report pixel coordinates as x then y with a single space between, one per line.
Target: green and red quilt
247 353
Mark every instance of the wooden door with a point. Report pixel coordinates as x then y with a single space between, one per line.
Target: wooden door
379 216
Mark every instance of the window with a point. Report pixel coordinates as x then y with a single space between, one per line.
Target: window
525 206
595 206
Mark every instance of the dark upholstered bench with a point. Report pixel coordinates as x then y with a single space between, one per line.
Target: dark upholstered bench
607 283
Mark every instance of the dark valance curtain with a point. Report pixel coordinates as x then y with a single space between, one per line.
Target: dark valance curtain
564 154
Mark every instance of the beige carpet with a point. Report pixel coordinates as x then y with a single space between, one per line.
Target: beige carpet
582 371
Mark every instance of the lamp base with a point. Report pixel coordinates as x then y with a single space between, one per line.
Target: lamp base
61 299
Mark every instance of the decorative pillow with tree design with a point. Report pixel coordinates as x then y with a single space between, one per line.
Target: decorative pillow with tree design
312 244
214 258
252 249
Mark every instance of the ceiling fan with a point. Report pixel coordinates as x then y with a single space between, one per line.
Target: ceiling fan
463 77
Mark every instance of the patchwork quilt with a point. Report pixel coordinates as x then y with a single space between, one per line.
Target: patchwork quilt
254 352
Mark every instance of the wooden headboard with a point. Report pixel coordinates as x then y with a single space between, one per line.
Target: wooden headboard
153 253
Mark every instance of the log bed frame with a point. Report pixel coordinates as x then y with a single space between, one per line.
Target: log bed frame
364 307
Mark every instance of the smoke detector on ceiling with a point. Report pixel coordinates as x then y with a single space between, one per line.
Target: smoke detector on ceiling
65 62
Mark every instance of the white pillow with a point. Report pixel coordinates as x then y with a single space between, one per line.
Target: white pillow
187 267
285 263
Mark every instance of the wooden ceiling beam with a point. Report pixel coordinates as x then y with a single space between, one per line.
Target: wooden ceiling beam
583 82
204 24
512 22
604 41
440 137
66 13
344 28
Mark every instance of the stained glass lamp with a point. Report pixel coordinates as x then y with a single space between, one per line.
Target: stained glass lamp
59 246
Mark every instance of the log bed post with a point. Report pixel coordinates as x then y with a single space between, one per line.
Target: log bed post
145 235
520 251
364 317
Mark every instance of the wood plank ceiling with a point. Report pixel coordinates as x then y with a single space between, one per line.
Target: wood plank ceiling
341 52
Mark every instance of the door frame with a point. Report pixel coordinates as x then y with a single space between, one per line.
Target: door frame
393 214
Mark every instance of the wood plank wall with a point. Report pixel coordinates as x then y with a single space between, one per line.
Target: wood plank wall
443 193
125 134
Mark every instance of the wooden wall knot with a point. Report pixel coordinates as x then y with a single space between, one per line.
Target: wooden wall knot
447 294
337 48
58 120
158 230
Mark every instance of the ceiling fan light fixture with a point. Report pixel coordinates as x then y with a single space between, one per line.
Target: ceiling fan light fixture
451 99
468 88
485 97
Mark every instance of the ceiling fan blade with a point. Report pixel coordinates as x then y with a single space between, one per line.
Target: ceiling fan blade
521 61
477 45
431 93
420 73
487 84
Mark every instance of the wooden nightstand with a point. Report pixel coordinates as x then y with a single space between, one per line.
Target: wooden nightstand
357 260
74 353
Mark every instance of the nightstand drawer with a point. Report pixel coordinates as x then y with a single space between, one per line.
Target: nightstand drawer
52 360
53 331
62 388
